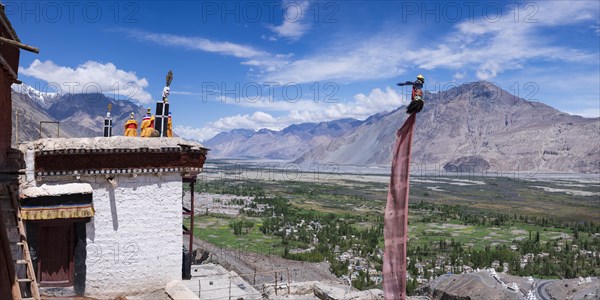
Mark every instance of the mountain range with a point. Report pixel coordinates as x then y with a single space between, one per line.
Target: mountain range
80 115
470 128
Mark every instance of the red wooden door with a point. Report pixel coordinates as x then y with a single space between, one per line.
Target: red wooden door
56 245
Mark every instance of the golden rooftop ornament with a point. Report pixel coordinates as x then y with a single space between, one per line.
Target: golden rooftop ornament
167 89
169 78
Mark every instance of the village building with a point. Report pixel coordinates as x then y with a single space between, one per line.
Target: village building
104 215
99 217
10 160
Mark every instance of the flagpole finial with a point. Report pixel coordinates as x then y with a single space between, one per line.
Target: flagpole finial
169 78
167 88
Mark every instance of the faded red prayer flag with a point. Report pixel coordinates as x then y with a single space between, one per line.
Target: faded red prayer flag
395 230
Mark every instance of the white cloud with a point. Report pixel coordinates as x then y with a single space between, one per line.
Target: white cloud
508 43
487 48
293 26
459 75
256 120
250 55
200 134
482 46
90 77
197 43
596 28
383 56
303 111
185 93
586 112
488 70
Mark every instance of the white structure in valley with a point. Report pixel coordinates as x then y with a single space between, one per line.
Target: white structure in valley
104 215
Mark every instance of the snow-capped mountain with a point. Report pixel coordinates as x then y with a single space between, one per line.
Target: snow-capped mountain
45 99
80 115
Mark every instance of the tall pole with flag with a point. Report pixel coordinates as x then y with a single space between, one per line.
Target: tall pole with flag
395 230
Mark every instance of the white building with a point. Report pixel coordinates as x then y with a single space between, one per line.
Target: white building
104 215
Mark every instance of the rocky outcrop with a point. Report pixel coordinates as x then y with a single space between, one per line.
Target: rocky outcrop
467 164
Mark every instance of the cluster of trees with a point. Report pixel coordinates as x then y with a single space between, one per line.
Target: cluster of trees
442 212
552 259
238 188
241 226
560 260
334 233
340 230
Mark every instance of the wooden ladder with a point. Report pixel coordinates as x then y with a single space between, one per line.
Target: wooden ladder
27 287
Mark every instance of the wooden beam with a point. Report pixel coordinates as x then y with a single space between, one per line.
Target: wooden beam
19 45
7 271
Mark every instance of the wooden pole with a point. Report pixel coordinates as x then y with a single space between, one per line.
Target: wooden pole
17 127
19 45
230 287
7 271
275 283
192 215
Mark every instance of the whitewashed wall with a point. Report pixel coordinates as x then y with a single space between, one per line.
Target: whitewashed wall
134 241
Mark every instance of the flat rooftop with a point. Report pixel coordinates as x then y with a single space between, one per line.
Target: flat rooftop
113 143
211 281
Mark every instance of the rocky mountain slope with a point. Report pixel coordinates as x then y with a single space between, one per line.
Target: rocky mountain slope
80 115
473 127
288 143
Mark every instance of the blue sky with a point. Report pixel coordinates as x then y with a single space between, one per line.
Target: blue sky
268 64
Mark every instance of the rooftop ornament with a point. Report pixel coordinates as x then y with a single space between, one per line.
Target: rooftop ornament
108 122
162 108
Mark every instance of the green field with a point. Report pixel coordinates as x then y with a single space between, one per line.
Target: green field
216 230
480 236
